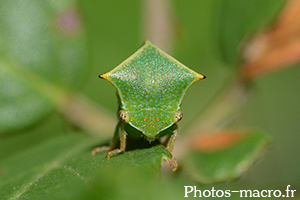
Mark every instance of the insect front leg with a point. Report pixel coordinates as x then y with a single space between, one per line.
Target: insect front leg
170 146
112 144
172 139
122 135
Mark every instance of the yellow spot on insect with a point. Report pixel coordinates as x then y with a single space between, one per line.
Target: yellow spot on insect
199 76
104 76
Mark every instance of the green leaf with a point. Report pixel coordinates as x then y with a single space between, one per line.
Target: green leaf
213 30
42 50
66 162
226 164
123 182
236 20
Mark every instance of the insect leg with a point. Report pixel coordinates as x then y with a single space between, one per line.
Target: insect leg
172 139
122 138
170 146
122 134
112 144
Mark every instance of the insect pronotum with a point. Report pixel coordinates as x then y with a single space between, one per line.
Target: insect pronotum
150 85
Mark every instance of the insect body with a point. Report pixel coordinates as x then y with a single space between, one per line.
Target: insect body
151 85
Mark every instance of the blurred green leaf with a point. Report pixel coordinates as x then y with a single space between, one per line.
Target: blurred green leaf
42 47
226 164
212 30
125 182
237 20
67 162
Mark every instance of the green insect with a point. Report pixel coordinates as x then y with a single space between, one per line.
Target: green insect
150 85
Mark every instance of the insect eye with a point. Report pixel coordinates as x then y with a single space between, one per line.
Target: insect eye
178 116
124 116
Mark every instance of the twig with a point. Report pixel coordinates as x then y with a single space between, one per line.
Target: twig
75 107
158 24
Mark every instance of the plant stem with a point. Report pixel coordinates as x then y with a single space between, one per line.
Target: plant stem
222 110
158 24
75 107
85 114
